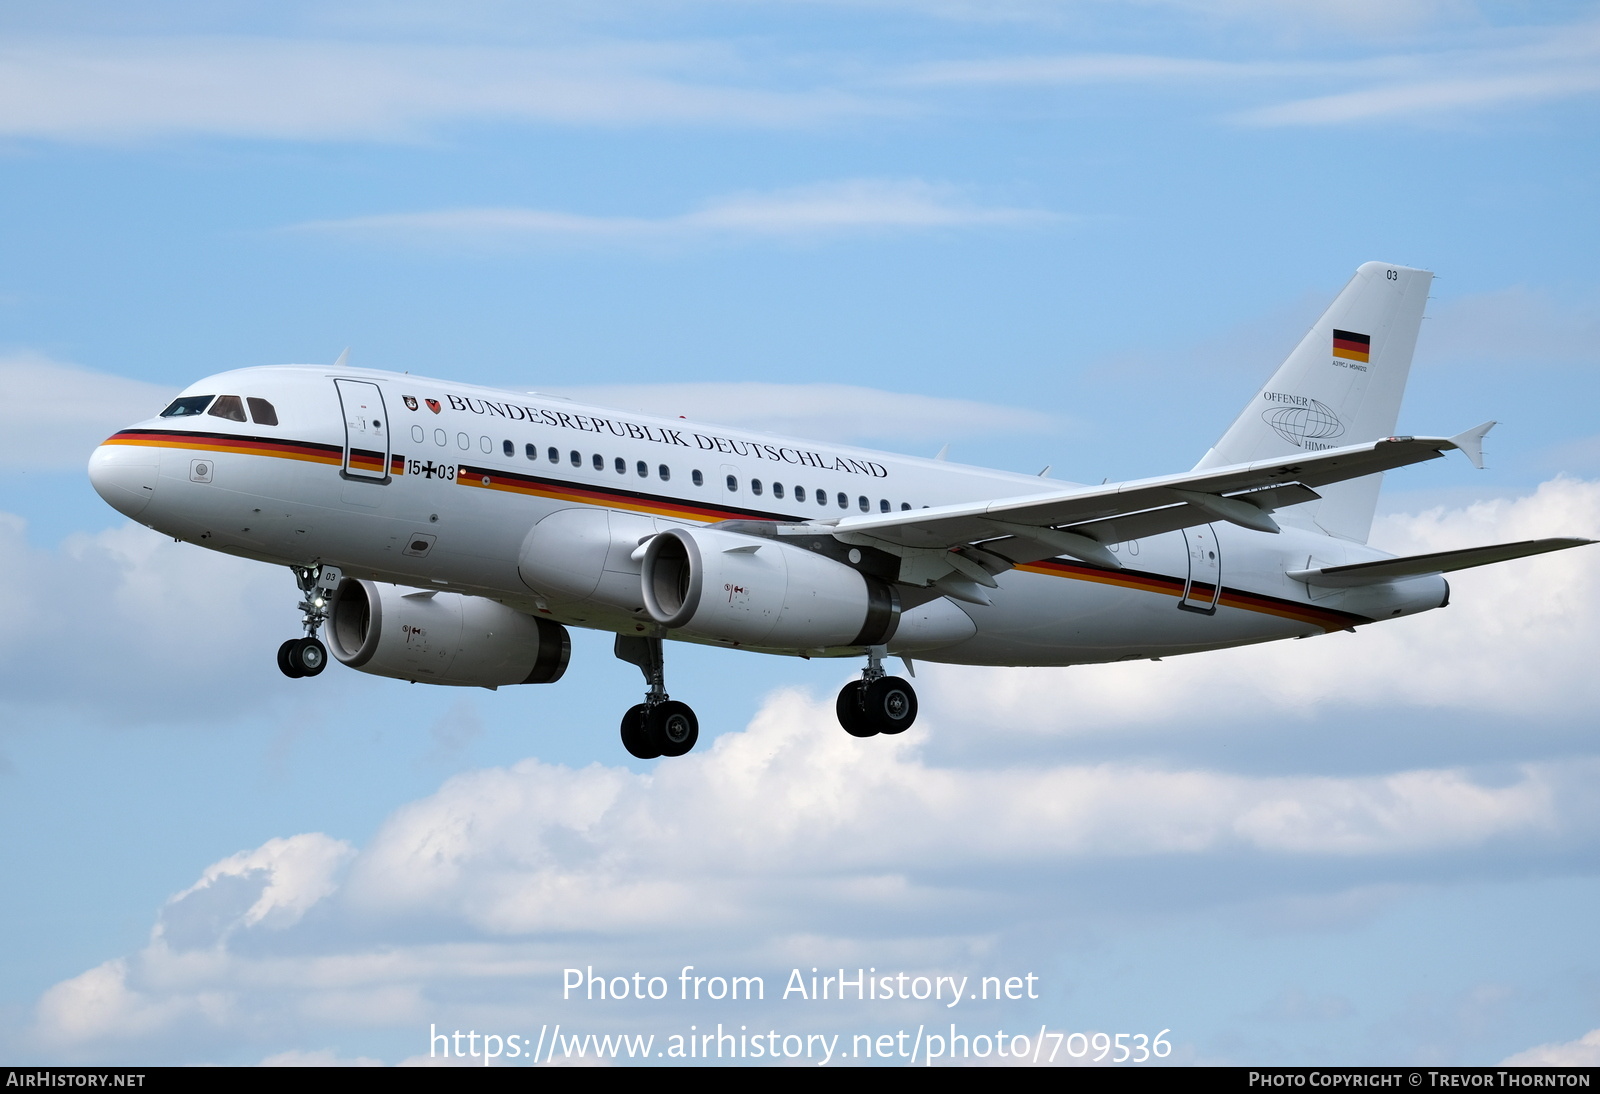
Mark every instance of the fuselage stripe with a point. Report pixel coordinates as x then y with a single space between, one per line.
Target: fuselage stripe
484 478
225 442
1325 618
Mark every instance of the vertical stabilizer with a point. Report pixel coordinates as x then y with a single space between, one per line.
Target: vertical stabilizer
1341 385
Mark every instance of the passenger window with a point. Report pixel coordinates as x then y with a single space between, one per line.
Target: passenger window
531 451
665 472
230 407
577 460
863 503
643 469
777 489
555 455
844 500
508 448
755 487
883 505
905 505
188 408
697 478
733 484
262 412
622 466
799 493
599 462
822 497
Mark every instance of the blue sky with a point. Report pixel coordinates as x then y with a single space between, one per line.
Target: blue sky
1075 234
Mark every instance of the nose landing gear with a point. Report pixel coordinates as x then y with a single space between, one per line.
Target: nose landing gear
876 703
659 726
308 656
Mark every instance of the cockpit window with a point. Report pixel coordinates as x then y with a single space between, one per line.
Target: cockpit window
230 407
262 412
187 406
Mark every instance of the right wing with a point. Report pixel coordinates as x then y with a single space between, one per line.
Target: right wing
976 540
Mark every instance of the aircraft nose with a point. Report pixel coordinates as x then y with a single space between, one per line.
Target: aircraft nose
125 476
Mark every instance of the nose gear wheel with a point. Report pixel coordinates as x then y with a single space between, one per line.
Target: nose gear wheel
307 656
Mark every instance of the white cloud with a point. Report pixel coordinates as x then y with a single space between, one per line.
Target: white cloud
128 88
108 621
1522 67
283 878
1518 637
326 1057
54 414
851 206
1427 98
132 88
833 412
1584 1052
787 839
1499 68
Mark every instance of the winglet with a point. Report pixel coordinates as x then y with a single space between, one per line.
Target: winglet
344 358
1471 443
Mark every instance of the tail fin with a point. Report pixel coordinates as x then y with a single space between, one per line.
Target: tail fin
1341 385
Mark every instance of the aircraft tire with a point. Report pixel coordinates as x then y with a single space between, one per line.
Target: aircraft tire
286 663
640 744
849 710
310 656
674 726
890 704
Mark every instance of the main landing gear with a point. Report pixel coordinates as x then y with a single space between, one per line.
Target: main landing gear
659 726
876 703
308 656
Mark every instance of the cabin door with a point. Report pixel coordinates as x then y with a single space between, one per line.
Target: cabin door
366 430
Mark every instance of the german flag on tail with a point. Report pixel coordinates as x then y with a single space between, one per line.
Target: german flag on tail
1352 346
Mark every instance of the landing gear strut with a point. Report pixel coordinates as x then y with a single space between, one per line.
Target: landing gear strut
876 703
308 656
659 726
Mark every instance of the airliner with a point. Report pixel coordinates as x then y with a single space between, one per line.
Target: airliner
448 534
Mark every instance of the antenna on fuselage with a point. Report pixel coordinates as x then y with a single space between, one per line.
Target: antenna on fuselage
344 358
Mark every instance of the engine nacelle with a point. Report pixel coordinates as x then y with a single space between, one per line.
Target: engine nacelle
585 555
433 637
762 592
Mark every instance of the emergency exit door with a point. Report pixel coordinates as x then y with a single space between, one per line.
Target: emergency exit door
1204 587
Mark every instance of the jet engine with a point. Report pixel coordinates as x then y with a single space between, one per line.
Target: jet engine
762 592
434 637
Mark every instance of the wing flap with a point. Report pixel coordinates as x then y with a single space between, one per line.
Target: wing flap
1438 562
1122 529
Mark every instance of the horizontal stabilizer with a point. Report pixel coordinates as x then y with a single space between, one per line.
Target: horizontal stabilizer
1438 562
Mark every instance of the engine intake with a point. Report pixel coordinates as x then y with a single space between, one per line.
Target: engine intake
434 637
762 592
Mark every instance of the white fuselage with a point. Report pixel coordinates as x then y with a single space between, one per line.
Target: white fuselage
439 485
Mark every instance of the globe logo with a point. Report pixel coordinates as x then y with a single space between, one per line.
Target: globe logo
1299 424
